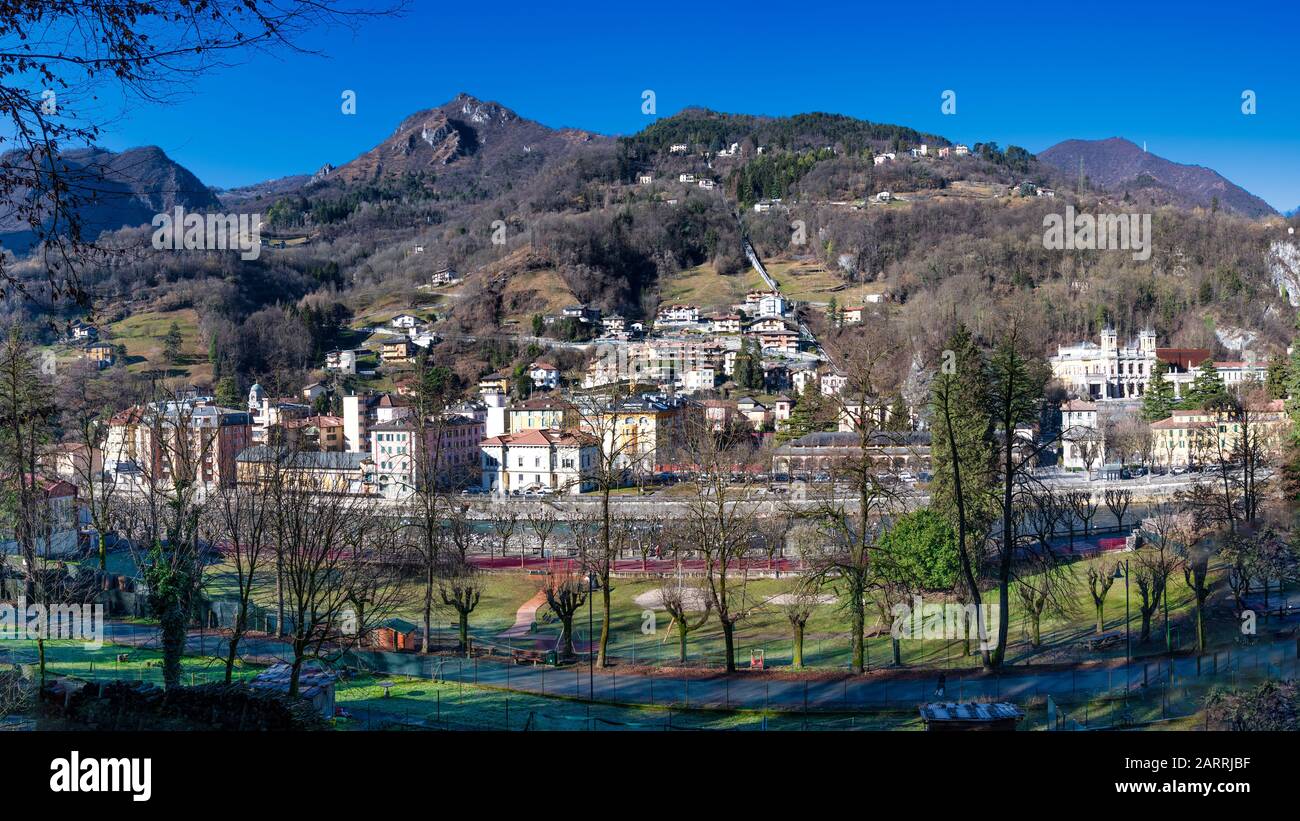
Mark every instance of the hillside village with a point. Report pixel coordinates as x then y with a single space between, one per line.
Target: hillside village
756 370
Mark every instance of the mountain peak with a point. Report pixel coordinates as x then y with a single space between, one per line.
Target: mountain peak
1118 164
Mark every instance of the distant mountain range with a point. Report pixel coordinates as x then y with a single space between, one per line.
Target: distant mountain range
1118 165
469 145
116 190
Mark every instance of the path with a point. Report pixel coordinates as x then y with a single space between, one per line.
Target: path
524 617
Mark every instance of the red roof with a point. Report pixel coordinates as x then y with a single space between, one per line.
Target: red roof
540 438
1184 358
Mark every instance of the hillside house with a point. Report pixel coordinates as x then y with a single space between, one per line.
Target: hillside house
544 375
399 351
724 324
341 361
678 313
445 276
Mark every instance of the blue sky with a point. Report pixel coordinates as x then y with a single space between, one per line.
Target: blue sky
1168 74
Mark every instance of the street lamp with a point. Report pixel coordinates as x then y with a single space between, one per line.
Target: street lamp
591 656
1121 572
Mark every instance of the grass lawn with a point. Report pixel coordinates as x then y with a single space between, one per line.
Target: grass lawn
808 281
826 643
462 706
703 287
143 333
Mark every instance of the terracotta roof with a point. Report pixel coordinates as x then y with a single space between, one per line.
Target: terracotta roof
1077 405
1174 423
540 438
1186 358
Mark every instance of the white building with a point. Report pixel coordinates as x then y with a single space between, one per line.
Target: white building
1107 371
679 313
1083 447
553 460
833 384
544 375
341 361
699 379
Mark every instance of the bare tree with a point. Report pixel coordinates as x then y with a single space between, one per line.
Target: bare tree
243 522
720 522
1084 506
85 400
798 608
1101 576
686 602
565 594
164 515
842 555
1150 569
460 588
1117 502
1043 580
542 521
504 525
341 566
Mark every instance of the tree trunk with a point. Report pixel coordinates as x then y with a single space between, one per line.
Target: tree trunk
279 599
797 661
464 632
232 651
1035 636
859 619
172 626
681 641
428 627
897 648
1101 618
1200 625
602 660
295 672
729 642
1145 634
566 638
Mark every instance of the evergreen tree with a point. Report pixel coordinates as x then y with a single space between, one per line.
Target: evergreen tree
227 392
898 419
1278 376
1158 400
920 552
172 344
807 416
1206 388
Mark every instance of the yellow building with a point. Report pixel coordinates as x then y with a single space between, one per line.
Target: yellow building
541 413
314 471
642 433
1195 437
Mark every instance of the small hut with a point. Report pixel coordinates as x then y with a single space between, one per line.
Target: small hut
972 715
